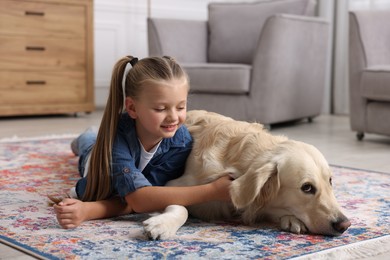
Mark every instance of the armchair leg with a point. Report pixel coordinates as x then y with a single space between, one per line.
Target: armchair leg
310 119
360 135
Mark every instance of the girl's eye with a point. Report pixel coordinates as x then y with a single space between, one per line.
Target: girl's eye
159 109
308 188
181 108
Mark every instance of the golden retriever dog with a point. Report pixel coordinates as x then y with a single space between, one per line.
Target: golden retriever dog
276 179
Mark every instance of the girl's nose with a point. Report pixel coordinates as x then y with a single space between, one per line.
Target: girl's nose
172 115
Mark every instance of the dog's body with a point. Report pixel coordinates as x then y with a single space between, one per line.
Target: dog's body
285 181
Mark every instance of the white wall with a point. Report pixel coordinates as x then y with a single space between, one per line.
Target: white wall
120 30
180 9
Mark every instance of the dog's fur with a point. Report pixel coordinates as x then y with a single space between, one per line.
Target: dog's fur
278 179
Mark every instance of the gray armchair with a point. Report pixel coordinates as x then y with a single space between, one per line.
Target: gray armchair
369 72
262 61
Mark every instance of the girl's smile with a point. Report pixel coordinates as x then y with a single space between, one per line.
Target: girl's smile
170 128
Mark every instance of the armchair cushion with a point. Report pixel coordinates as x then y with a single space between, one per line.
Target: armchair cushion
375 83
234 28
378 118
219 78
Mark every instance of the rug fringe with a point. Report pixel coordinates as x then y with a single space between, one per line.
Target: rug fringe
360 250
16 138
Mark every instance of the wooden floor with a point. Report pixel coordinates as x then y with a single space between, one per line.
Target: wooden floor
330 134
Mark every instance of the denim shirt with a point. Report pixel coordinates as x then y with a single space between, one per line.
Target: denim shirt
167 163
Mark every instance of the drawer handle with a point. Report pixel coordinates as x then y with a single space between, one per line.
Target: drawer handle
36 82
35 48
34 13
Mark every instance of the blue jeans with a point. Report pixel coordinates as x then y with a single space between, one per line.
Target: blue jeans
85 143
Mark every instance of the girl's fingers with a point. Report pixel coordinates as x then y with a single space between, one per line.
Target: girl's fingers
70 226
65 216
65 208
68 213
68 201
59 209
67 225
65 221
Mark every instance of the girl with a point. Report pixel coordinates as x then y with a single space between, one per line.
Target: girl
124 168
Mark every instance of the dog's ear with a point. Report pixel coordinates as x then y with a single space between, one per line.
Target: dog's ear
260 185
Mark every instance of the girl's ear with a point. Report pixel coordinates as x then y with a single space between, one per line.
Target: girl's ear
130 107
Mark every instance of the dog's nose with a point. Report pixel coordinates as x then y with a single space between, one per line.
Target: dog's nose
341 225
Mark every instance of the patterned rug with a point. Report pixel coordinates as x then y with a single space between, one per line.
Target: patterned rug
30 169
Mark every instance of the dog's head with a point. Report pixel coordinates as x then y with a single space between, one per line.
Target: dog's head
295 180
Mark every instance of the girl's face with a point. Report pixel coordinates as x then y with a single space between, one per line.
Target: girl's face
159 111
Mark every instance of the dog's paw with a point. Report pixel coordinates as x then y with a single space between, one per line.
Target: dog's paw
165 225
292 224
158 227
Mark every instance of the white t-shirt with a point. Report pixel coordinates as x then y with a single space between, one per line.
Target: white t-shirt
146 156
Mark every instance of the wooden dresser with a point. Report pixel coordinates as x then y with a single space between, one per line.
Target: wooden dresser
46 57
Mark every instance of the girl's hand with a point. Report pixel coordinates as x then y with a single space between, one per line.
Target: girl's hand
222 187
70 213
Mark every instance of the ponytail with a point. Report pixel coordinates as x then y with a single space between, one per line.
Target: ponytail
98 178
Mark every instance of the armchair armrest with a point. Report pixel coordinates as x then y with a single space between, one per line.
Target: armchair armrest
290 60
186 40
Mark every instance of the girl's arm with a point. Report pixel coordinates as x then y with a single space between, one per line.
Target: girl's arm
152 198
71 213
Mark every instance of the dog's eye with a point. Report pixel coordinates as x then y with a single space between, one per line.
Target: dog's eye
308 188
330 181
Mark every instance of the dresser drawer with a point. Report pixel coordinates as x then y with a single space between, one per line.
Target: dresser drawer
19 87
42 19
31 53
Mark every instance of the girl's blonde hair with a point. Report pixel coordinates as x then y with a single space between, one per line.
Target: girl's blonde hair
150 70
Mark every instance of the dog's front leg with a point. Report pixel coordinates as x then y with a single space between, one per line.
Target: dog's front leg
165 225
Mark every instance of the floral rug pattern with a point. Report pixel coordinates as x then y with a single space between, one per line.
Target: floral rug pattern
31 169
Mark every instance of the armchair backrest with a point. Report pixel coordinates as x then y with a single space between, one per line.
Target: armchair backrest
183 39
371 30
234 28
